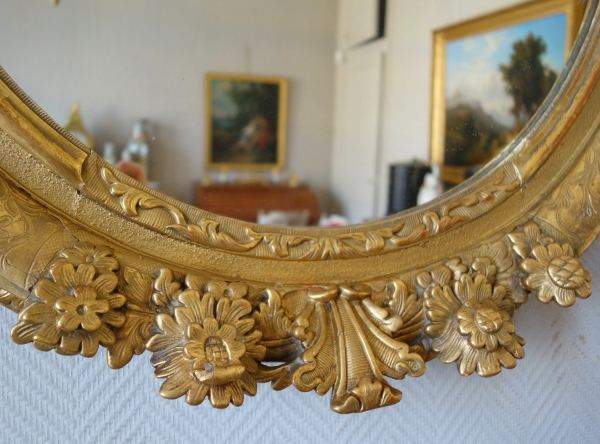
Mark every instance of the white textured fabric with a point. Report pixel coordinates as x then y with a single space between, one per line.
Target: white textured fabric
553 395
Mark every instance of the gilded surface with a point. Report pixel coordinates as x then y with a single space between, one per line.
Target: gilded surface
90 259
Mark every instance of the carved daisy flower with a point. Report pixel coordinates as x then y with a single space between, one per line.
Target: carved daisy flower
471 324
86 253
73 312
555 272
207 348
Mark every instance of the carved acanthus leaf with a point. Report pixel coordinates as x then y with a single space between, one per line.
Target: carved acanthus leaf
132 336
132 198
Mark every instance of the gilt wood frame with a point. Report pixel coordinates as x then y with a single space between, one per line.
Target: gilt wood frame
89 258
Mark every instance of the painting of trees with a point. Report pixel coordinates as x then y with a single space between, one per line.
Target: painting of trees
526 78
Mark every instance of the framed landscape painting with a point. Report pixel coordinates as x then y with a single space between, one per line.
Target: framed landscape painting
245 121
490 75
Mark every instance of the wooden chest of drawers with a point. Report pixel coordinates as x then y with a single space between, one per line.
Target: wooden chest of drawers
243 201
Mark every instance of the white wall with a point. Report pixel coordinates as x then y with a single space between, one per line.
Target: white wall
123 60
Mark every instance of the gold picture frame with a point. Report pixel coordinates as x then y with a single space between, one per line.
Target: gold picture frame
490 120
91 258
246 118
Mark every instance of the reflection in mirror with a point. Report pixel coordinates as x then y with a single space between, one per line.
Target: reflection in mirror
327 114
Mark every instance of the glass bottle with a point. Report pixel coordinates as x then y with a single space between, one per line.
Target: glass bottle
137 149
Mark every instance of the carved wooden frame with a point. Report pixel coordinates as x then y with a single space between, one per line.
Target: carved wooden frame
89 257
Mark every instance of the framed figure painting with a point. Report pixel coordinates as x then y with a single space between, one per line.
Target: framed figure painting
490 75
245 122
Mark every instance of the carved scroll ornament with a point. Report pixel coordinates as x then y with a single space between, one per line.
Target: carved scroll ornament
91 260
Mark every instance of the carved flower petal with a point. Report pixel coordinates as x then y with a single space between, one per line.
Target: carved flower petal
564 297
441 275
531 266
239 309
498 295
99 306
490 363
424 279
67 303
49 291
90 322
237 349
440 304
568 250
169 362
468 363
243 326
248 383
105 335
471 304
115 300
63 274
541 254
504 337
197 394
467 326
532 231
478 339
89 344
70 344
520 244
227 332
255 351
217 288
491 341
249 364
184 316
435 330
482 288
69 321
195 350
237 394
84 274
191 299
195 332
236 290
584 291
173 334
105 283
177 385
105 263
194 282
211 326
114 318
48 334
534 281
515 347
545 292
555 250
38 313
220 396
43 347
23 332
450 346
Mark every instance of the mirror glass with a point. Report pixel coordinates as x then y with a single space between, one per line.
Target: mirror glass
290 113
